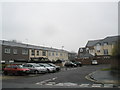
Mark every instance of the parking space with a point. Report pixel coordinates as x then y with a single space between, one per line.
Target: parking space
5 77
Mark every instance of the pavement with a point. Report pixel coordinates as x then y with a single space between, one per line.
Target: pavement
104 77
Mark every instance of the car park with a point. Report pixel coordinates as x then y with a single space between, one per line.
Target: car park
70 64
35 68
57 67
94 62
49 67
16 70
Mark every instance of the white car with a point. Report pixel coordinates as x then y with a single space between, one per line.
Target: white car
49 68
35 68
57 67
94 62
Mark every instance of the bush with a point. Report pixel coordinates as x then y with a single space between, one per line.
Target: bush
115 63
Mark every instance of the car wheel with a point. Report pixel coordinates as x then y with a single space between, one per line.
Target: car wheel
48 70
5 73
36 72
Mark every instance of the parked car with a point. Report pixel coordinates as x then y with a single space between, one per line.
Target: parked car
94 62
35 68
57 67
16 70
79 64
49 67
70 64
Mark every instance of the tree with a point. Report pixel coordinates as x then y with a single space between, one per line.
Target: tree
115 63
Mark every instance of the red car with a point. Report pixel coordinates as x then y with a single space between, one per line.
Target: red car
16 70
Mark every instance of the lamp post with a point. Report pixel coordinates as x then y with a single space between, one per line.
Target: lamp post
62 47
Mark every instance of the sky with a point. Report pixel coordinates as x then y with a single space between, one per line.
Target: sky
56 24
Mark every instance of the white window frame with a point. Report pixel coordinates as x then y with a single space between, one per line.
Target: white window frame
43 53
56 53
24 51
105 43
37 52
15 51
7 50
53 54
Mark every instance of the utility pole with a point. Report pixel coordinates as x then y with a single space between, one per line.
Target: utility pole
62 47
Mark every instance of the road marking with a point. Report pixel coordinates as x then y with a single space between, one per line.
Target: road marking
97 85
108 85
67 84
60 84
50 83
46 81
84 85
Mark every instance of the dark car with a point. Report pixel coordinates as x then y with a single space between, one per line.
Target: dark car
70 64
57 67
16 70
79 64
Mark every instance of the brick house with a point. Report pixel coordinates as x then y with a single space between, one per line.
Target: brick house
11 50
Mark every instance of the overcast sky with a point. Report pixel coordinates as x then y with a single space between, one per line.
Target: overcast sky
57 24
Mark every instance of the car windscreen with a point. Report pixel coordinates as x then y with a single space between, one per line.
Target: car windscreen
36 65
20 66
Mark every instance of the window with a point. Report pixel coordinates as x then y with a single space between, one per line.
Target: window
14 51
56 53
81 50
105 43
49 54
38 53
44 53
98 47
24 51
105 51
98 44
52 53
32 52
60 54
7 50
98 50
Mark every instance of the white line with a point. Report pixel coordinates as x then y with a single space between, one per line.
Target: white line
84 85
45 81
108 85
96 85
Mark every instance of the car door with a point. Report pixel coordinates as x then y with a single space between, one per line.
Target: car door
8 68
14 69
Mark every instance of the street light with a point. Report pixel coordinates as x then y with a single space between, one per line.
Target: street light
62 47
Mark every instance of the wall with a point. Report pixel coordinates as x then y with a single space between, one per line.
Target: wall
100 61
109 47
64 55
35 53
12 56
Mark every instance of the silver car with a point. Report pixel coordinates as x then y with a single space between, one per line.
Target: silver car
35 68
49 68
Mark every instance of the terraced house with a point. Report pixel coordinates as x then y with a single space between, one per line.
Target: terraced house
101 47
19 51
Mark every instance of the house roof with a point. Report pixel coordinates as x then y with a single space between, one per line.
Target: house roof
109 40
17 44
92 43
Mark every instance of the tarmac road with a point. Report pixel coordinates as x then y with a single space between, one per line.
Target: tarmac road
70 78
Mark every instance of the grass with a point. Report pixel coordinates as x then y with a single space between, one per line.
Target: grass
106 69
